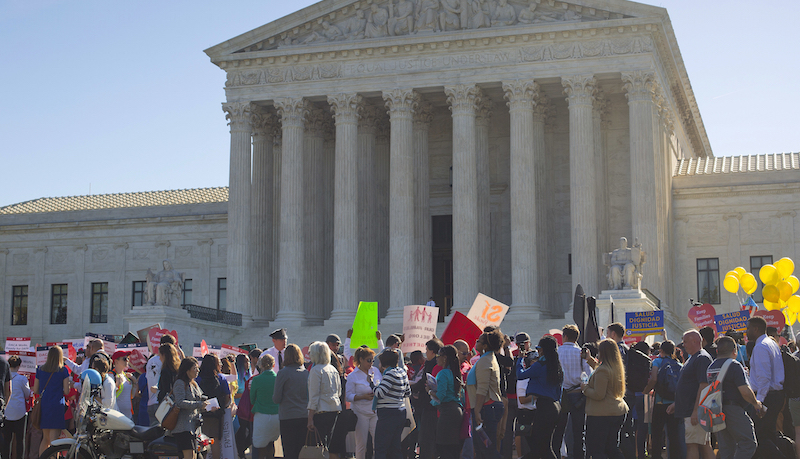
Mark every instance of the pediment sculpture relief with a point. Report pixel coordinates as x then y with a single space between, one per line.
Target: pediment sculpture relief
410 17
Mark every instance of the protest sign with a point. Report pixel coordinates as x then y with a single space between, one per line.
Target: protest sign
77 343
28 365
201 349
143 335
228 438
774 319
487 311
69 349
137 360
702 316
736 320
640 323
42 351
419 326
109 346
127 339
154 335
18 344
365 325
227 350
461 327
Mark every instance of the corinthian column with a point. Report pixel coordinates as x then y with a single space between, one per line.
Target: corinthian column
261 226
464 101
293 112
345 214
540 112
524 243
401 104
423 255
483 120
239 209
368 205
580 95
641 88
314 218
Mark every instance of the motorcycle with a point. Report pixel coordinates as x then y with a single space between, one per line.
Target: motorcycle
103 433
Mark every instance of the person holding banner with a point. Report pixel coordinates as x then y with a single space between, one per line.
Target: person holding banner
16 413
359 387
53 389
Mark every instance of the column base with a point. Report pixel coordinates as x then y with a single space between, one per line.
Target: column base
290 317
523 311
342 315
259 322
394 315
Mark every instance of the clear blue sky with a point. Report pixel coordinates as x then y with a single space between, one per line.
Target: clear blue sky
120 95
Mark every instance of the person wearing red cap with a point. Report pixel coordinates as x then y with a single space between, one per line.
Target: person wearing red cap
124 383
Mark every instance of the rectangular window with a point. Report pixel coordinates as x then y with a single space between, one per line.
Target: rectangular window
138 292
755 266
708 280
187 292
99 302
58 304
19 305
222 293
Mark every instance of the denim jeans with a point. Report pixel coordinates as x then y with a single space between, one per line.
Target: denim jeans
387 433
490 415
661 420
571 419
603 436
738 439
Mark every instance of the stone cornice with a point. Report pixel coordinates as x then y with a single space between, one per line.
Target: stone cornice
734 191
219 218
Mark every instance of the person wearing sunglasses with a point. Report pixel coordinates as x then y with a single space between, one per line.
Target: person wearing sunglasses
359 392
124 382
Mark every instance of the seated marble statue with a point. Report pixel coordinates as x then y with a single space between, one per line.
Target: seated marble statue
163 285
625 265
504 14
377 22
529 15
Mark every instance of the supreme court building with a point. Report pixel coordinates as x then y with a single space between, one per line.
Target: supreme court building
394 150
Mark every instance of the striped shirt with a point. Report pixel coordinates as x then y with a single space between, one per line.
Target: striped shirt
393 389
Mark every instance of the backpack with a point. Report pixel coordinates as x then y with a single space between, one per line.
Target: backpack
791 371
638 370
709 413
667 381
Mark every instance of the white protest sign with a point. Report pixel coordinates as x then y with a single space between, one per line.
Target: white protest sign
28 364
227 349
109 347
78 343
18 344
41 355
487 311
228 450
419 325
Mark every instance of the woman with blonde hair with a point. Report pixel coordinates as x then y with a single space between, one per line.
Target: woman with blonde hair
324 387
605 404
52 382
291 395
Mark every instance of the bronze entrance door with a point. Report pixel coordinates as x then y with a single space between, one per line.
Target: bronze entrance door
442 229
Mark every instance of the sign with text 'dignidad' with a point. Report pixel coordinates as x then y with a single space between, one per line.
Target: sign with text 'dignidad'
644 323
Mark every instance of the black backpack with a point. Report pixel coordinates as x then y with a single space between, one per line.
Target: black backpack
668 379
791 372
638 369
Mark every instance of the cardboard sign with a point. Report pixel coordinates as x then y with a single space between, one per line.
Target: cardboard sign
18 344
143 335
461 327
419 326
641 323
137 360
154 335
774 319
736 320
227 350
702 316
109 346
487 311
365 325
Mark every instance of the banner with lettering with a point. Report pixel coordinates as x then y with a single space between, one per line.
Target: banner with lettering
42 351
487 311
702 315
18 344
69 350
109 346
365 325
137 360
28 365
228 438
641 323
227 350
419 326
736 320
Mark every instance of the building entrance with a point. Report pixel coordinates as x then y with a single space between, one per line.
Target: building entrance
442 229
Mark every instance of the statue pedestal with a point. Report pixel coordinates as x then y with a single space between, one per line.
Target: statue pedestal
624 301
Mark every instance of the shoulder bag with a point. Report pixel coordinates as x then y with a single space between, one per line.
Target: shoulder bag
316 451
168 411
36 410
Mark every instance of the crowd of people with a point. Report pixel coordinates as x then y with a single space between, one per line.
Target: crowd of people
499 397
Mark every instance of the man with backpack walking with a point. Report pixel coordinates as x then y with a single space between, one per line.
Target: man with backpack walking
664 379
738 439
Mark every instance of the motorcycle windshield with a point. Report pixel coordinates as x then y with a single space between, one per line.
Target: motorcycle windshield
85 398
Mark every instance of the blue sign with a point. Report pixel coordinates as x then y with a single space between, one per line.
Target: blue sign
644 322
736 320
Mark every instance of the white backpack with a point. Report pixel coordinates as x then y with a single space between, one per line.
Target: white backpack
709 412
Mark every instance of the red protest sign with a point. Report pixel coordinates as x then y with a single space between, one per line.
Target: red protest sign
203 348
774 318
154 337
461 327
702 316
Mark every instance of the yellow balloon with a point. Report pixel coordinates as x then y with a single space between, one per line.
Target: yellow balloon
785 290
785 267
791 317
768 274
749 284
794 282
794 303
770 293
734 274
770 306
740 271
731 284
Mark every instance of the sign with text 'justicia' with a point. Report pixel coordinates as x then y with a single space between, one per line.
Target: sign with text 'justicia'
644 322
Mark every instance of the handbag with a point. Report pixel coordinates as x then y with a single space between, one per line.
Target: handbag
317 451
167 412
36 410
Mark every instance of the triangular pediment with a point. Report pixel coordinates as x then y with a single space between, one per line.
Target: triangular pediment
343 21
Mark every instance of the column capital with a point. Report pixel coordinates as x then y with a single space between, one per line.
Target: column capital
315 122
292 110
263 122
423 116
463 98
485 111
346 107
370 116
520 94
401 101
639 85
238 115
579 89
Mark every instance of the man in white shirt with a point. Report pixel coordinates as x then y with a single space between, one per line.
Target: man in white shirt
279 340
766 377
572 401
92 347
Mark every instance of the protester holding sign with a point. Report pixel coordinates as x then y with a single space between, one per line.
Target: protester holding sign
52 382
